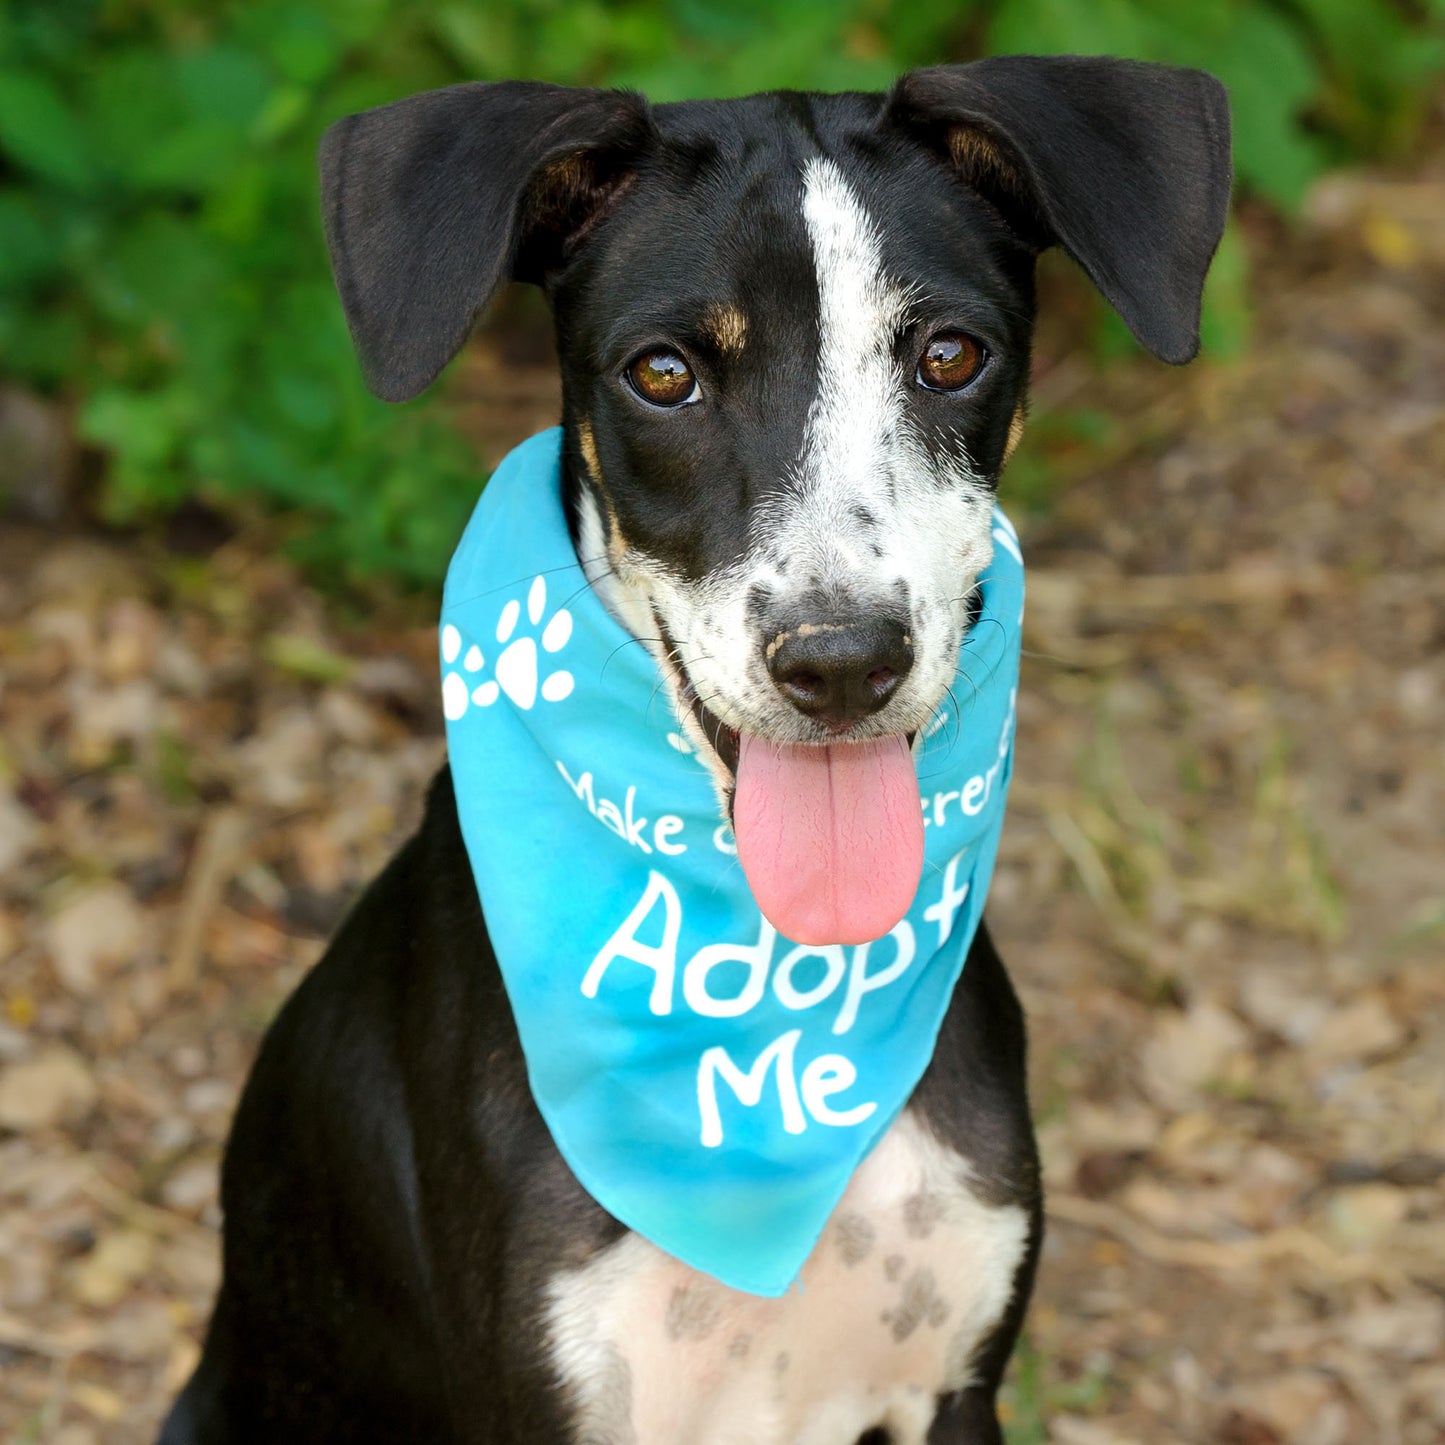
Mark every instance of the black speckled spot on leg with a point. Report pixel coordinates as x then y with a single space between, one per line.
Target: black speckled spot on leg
920 1293
921 1214
692 1312
856 1237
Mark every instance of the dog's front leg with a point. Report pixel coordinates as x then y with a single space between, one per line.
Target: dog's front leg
967 1417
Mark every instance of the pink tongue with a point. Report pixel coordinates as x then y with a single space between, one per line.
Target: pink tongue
831 837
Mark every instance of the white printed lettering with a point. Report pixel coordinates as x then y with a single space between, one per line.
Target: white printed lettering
582 787
625 821
661 958
749 1086
633 826
827 1075
754 956
790 996
949 901
607 813
861 982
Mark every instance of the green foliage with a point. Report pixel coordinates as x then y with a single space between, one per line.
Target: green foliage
1310 81
160 251
1030 1398
161 259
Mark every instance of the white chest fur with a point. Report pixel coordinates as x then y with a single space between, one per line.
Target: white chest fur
911 1273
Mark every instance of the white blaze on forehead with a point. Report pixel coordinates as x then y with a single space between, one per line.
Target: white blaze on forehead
859 397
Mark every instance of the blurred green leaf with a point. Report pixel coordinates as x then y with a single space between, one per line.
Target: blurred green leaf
157 267
1066 27
46 345
142 426
1377 66
226 84
27 249
304 657
1271 80
303 46
1224 327
284 110
38 129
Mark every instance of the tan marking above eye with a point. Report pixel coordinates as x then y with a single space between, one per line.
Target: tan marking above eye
950 361
663 378
727 326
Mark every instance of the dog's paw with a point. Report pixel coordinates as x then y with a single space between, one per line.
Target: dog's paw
517 670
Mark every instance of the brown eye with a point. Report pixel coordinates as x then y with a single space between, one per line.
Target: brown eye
663 378
950 361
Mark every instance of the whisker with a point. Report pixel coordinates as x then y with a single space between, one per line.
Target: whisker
526 576
974 699
993 621
607 662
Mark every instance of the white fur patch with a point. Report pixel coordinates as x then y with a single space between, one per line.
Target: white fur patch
913 1271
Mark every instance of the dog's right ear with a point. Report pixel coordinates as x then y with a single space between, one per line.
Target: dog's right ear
431 203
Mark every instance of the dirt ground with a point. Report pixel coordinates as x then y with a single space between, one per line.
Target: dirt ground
1221 891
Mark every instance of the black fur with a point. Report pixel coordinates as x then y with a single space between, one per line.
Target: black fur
394 1204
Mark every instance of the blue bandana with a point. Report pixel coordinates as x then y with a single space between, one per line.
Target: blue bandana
709 1083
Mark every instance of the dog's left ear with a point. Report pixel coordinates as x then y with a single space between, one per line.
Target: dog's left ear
1122 163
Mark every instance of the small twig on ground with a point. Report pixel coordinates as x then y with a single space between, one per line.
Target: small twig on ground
218 853
137 1211
50 1344
1219 1254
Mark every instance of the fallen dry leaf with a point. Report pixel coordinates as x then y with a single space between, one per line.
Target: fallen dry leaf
106 1274
53 1088
92 932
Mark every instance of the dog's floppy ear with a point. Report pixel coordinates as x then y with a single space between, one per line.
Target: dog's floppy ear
1122 163
431 203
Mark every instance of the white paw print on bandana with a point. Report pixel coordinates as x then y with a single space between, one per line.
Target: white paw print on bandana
516 671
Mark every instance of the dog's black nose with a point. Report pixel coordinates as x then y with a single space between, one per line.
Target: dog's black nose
838 672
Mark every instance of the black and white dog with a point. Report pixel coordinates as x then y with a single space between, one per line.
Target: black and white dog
794 334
